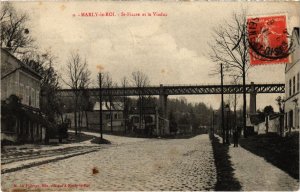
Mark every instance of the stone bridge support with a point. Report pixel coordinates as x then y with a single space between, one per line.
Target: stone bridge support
252 99
163 108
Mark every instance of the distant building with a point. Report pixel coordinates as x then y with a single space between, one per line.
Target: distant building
94 117
147 120
19 80
268 124
292 89
117 109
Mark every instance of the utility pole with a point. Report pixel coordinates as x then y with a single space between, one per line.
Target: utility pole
244 103
212 126
124 108
222 104
111 114
100 103
227 123
213 123
157 121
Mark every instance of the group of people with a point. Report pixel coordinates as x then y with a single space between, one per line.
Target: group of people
235 135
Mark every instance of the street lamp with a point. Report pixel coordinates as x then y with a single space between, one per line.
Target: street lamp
222 104
100 104
227 109
100 68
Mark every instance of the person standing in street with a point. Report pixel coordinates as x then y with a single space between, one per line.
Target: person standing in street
235 138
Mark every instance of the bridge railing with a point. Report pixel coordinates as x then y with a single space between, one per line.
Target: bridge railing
181 90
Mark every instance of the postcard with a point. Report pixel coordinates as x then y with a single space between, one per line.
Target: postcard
150 96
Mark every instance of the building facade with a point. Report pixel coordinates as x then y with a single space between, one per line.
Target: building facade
92 117
292 89
23 122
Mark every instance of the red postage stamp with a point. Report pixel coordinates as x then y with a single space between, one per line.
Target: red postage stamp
268 40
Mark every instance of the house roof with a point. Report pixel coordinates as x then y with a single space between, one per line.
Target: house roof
115 106
296 40
275 115
256 119
22 66
145 110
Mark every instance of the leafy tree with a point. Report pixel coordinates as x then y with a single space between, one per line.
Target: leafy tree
268 110
173 123
43 64
280 103
11 111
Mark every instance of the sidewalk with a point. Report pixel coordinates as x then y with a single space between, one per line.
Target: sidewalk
254 173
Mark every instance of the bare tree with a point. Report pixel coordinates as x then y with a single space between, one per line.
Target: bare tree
108 83
140 80
14 29
77 77
230 47
125 83
84 96
233 101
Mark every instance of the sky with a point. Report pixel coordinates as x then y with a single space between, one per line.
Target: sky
171 49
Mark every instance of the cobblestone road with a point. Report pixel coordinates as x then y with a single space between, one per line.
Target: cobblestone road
152 164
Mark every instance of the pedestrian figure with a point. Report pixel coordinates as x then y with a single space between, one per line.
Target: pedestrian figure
235 138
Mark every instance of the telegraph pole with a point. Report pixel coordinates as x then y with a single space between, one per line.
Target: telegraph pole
222 104
100 109
124 108
213 123
244 103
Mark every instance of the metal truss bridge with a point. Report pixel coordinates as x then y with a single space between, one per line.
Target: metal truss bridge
180 90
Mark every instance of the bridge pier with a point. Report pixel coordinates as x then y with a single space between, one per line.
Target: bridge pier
163 106
252 99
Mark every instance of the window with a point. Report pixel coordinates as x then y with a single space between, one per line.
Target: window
27 94
148 119
107 116
21 92
116 116
17 90
33 97
8 87
38 99
120 115
298 79
294 85
4 88
135 119
291 120
290 87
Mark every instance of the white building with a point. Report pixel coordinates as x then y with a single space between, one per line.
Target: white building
292 89
19 81
117 110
